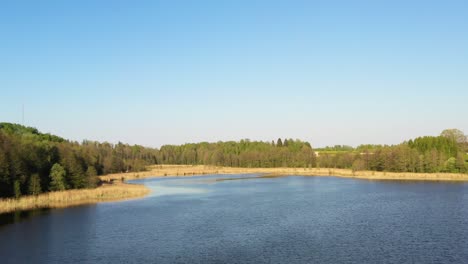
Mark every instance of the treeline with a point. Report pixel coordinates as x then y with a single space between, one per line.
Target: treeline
245 153
32 162
336 148
443 153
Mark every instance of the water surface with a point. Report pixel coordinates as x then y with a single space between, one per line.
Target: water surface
255 220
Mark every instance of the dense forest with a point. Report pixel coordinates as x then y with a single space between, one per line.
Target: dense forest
245 153
32 162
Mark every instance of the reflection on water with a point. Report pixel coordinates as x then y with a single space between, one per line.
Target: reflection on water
18 216
39 239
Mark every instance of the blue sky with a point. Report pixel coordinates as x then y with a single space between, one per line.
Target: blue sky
170 72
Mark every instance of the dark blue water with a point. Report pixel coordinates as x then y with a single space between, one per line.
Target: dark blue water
261 220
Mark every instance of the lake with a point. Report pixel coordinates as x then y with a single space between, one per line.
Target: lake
246 219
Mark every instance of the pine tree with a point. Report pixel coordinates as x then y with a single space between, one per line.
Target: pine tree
279 143
34 185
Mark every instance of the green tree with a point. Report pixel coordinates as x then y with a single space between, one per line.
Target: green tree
359 165
279 143
34 184
4 172
57 175
455 135
450 165
460 163
17 189
92 179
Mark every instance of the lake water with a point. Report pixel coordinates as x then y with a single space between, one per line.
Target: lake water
255 220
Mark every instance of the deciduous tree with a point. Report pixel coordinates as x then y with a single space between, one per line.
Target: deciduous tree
57 176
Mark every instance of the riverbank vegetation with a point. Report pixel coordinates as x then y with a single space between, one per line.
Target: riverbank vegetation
107 192
32 162
441 154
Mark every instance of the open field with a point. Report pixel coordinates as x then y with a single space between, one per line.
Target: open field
107 192
189 170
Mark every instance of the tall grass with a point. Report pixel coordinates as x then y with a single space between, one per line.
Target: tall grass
67 198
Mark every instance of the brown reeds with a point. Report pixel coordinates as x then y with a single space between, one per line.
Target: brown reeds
108 192
190 170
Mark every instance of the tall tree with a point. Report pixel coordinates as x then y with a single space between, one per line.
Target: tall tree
17 189
460 163
91 177
57 176
34 184
279 143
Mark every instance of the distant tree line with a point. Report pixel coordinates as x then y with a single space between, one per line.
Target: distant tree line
336 148
32 162
444 153
245 153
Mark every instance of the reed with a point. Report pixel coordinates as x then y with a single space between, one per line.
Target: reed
190 170
107 192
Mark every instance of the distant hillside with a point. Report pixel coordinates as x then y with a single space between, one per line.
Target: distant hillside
15 129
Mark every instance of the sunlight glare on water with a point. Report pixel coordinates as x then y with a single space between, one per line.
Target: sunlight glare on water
161 190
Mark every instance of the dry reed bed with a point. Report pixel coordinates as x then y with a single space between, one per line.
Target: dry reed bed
190 170
113 192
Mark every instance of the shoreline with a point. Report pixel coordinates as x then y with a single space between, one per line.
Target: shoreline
158 171
118 191
69 198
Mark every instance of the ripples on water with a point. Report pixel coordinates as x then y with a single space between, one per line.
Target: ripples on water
255 220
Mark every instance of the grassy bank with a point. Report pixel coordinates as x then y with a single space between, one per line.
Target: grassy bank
188 170
107 192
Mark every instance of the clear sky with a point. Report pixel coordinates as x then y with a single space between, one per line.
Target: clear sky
170 72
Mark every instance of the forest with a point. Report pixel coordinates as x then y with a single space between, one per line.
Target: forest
245 153
32 162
